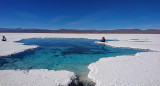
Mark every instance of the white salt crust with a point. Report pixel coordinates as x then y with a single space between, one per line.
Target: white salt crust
141 69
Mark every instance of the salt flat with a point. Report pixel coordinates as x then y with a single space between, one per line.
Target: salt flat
141 69
41 77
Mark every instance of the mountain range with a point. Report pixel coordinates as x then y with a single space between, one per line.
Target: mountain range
116 31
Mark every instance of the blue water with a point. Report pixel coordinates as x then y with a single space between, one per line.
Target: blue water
62 54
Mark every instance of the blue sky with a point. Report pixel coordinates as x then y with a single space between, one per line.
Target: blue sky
80 14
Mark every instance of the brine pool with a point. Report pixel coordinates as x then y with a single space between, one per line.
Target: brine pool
62 54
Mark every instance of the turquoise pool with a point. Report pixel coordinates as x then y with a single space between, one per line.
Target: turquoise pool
62 54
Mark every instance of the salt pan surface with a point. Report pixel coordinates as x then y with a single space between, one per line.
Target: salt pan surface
41 77
139 70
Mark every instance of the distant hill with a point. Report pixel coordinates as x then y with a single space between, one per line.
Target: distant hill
117 31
